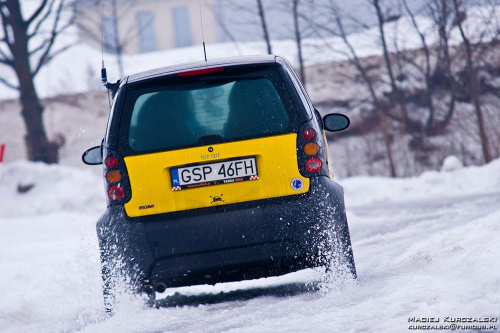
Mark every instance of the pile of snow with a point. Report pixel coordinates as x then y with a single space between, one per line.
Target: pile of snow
451 163
49 256
431 184
31 189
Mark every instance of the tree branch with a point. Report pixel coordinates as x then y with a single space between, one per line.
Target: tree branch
43 19
5 59
8 84
44 58
5 23
37 12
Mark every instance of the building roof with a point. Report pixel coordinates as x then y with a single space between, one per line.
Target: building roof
229 61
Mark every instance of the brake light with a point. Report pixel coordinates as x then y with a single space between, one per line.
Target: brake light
313 165
116 192
113 176
111 161
309 134
201 71
311 148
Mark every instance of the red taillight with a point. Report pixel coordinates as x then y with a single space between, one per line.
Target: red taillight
313 165
111 161
309 134
201 71
116 192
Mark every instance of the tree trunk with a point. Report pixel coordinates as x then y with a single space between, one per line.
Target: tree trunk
37 144
474 87
118 46
410 125
298 40
387 141
264 26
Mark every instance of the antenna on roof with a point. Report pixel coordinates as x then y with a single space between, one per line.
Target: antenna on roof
202 34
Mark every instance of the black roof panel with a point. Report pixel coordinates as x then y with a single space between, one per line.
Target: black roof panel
230 61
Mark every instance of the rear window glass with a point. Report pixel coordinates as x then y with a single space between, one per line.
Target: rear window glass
207 112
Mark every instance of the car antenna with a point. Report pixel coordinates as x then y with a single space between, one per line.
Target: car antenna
202 34
104 75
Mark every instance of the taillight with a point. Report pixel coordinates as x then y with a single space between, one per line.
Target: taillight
111 161
116 192
117 180
311 148
311 151
309 134
113 176
313 164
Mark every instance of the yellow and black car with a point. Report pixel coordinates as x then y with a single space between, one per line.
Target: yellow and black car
218 171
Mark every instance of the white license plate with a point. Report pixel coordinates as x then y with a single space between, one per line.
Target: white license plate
214 173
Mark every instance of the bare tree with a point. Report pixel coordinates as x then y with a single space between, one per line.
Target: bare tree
246 14
474 82
298 39
17 52
263 23
396 92
332 10
94 28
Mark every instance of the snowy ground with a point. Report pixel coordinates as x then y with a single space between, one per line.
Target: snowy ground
425 246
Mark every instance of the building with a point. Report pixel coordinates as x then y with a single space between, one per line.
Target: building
145 26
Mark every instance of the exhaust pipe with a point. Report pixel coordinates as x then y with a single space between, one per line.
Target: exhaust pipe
160 287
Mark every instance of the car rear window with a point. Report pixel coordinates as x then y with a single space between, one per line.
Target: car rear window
207 111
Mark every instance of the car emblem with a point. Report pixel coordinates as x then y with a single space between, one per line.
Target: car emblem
297 184
216 199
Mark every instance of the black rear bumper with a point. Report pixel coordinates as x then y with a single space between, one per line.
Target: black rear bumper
230 243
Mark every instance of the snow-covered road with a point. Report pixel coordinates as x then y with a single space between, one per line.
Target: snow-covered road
426 247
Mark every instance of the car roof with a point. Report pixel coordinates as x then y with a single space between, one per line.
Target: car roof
229 61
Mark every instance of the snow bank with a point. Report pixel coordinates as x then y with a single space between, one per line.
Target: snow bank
49 257
431 184
54 188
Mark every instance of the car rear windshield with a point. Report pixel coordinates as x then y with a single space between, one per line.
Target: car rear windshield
207 110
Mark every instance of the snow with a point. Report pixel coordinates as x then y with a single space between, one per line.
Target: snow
424 246
430 185
451 163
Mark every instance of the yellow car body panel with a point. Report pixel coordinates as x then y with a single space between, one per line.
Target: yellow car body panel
151 182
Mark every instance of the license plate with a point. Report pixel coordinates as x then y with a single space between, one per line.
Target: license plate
214 174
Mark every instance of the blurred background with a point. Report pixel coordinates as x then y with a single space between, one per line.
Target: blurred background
418 78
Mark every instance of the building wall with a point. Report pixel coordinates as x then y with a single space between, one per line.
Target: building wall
163 27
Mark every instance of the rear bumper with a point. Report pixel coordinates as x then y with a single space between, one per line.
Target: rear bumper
230 243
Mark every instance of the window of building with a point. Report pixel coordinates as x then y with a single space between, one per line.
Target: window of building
182 26
146 31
